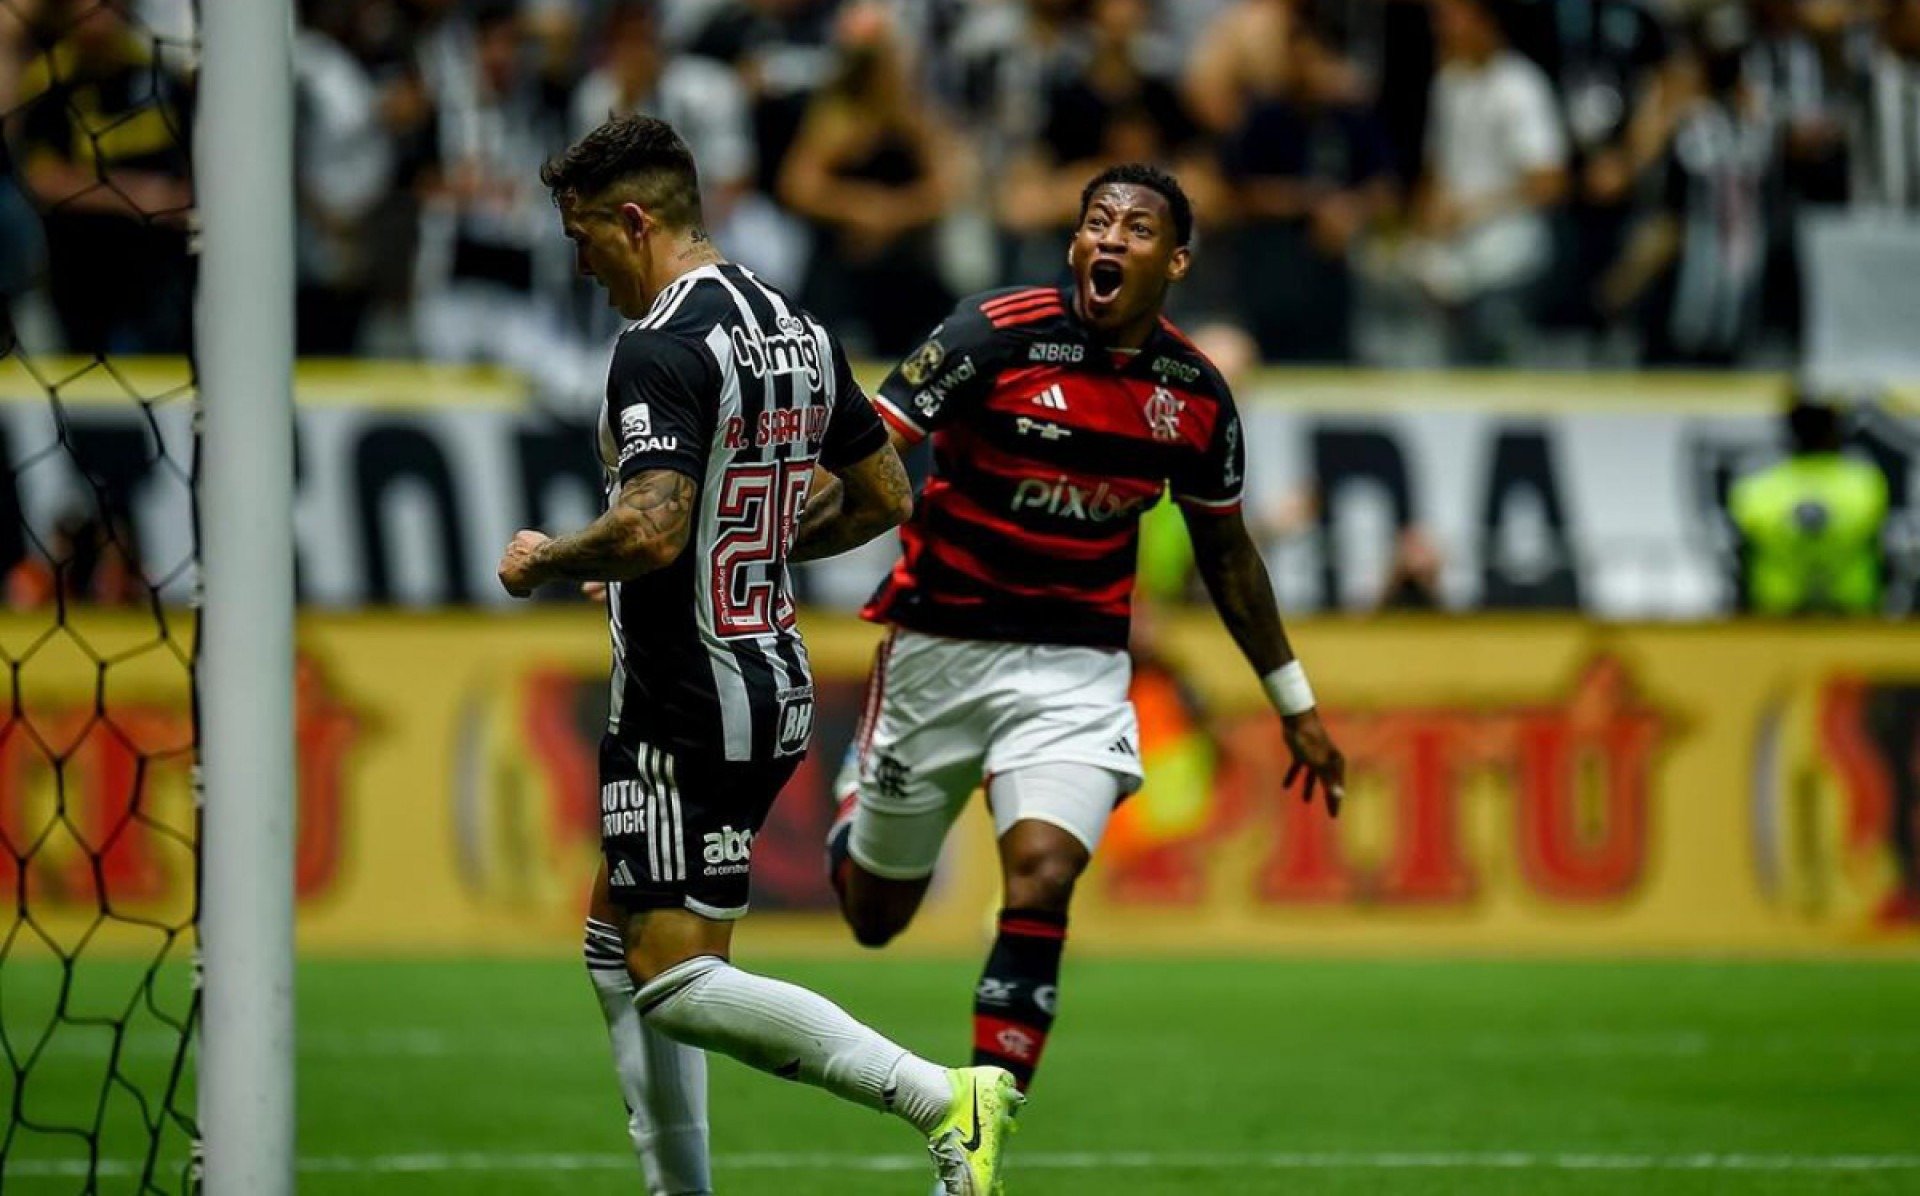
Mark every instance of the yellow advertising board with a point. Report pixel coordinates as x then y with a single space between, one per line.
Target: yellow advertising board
1539 784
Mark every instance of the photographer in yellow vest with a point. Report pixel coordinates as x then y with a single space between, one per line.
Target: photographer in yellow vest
1810 526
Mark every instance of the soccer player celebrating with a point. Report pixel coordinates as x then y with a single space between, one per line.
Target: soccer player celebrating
1058 416
722 398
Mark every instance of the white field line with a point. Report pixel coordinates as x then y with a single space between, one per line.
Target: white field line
1504 1160
426 1043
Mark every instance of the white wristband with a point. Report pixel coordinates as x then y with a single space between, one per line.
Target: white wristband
1288 690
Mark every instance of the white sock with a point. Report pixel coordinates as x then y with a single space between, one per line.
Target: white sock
794 1034
663 1083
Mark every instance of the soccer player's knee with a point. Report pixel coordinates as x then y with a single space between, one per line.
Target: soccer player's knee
1043 878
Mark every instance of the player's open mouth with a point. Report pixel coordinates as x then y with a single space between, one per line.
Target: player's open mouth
1103 280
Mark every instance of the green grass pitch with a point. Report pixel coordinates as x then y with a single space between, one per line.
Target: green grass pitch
1219 1077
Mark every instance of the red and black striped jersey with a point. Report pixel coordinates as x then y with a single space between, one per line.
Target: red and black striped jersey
1047 450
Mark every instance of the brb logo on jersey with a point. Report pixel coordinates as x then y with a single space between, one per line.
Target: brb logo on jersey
1163 414
1057 354
790 351
1061 497
727 852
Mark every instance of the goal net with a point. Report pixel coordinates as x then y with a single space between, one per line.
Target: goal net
99 558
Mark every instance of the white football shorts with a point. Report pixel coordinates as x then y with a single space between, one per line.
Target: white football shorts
943 714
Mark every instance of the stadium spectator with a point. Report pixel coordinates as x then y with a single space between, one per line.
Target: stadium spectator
101 130
1810 526
700 98
1238 61
781 52
1114 98
1608 57
1799 66
1310 172
1006 56
1695 265
875 169
1495 165
344 155
493 275
697 96
1885 135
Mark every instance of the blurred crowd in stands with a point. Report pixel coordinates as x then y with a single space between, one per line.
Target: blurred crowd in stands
1543 182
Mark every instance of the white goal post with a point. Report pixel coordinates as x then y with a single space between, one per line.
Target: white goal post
243 171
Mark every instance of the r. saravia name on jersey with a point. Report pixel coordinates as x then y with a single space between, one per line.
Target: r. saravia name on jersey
778 427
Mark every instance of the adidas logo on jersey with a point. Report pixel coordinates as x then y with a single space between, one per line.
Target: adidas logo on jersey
726 851
1053 398
622 876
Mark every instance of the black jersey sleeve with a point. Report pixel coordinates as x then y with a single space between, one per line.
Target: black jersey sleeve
1216 478
951 372
854 432
662 396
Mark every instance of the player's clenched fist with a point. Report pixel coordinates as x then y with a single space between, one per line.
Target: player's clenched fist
517 571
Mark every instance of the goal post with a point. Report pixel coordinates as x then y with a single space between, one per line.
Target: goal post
243 166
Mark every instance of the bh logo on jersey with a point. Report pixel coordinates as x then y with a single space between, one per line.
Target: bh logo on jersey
727 852
1163 414
793 720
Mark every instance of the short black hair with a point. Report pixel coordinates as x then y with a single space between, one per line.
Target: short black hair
1813 425
1139 174
640 153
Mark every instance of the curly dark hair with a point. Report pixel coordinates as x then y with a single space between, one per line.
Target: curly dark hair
640 154
1139 174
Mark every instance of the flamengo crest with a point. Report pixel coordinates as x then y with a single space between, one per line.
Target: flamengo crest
1163 414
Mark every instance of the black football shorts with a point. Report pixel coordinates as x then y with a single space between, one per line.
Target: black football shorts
677 829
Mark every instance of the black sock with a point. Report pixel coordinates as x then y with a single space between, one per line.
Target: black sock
1013 1006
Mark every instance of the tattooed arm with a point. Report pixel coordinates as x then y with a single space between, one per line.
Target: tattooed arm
863 500
645 529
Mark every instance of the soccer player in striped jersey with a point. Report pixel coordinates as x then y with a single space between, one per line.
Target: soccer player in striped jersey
722 400
1058 416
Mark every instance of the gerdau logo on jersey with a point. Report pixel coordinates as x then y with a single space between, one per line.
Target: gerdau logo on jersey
1061 497
726 851
636 434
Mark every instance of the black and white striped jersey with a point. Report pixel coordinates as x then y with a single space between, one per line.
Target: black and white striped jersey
730 383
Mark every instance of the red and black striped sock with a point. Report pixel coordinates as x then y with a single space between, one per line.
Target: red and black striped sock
1013 1006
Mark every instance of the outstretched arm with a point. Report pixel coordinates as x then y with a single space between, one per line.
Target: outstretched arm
846 510
644 529
1236 578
